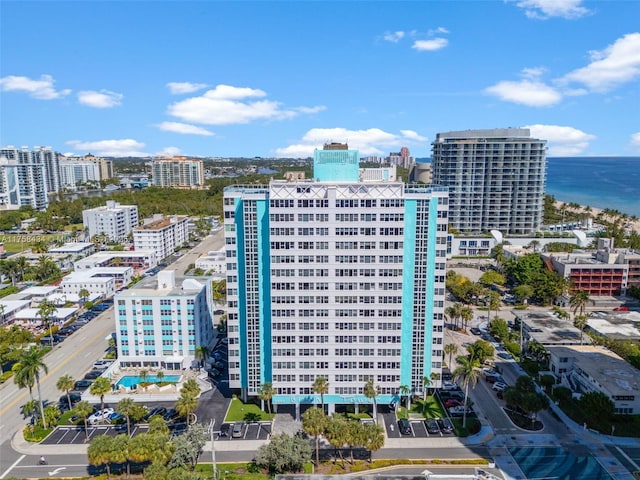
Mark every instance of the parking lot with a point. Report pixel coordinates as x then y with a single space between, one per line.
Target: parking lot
250 431
75 435
418 428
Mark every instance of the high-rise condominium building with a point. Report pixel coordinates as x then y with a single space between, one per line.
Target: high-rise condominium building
496 179
74 172
40 156
335 278
104 165
164 235
178 172
22 184
162 320
114 220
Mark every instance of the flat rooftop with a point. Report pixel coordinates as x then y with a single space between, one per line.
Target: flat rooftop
604 366
155 286
71 247
547 329
159 224
616 325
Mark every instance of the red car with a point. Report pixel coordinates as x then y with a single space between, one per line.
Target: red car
451 402
621 309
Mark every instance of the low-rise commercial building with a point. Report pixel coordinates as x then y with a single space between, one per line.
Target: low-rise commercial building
139 260
615 325
77 249
547 329
589 368
214 263
103 286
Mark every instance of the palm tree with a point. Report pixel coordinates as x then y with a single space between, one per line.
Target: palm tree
336 434
467 372
265 393
494 303
29 408
580 322
373 438
186 405
23 378
31 364
314 422
143 375
201 354
191 387
372 391
100 388
405 390
320 386
426 382
45 311
450 349
100 452
84 294
127 407
453 312
65 383
159 376
466 315
578 302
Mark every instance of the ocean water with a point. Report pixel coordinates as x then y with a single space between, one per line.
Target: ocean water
600 182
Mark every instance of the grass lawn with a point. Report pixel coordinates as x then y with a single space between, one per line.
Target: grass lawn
430 408
238 410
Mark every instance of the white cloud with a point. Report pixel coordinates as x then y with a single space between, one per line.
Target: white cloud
543 9
184 128
226 105
372 141
439 30
41 89
110 148
430 45
394 37
532 93
185 87
617 64
562 141
168 152
635 140
101 99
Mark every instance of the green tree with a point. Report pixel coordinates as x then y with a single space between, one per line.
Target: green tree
100 388
523 292
13 339
46 310
265 393
481 350
120 452
51 414
491 277
188 447
580 322
30 365
494 302
101 451
450 349
284 454
578 302
320 387
84 294
466 315
597 405
373 438
83 409
186 405
499 328
405 391
65 384
30 408
314 422
191 387
454 312
336 434
467 373
130 410
201 354
143 375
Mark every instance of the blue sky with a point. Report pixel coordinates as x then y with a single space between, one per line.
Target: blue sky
281 78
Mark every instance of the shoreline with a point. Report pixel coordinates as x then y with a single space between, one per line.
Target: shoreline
594 212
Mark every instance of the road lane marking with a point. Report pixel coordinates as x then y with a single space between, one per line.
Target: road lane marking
12 466
51 372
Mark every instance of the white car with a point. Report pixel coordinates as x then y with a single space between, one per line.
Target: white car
101 416
449 385
499 386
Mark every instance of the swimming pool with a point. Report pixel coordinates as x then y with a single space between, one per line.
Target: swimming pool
557 464
131 380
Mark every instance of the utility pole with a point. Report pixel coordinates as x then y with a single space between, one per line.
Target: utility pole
213 449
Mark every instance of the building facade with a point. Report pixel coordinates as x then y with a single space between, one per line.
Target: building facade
138 260
162 320
72 173
22 184
178 172
496 179
114 220
335 278
164 235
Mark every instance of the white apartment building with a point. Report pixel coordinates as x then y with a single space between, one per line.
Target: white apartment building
103 286
115 220
45 156
22 181
496 179
162 320
77 250
590 368
178 172
163 235
335 278
214 262
72 173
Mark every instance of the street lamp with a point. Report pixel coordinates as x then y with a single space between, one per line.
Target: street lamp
213 449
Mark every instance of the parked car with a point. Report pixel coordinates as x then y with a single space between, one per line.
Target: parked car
499 386
237 430
74 397
155 411
476 331
505 355
404 426
92 375
82 384
432 426
621 308
445 425
458 411
452 402
224 429
46 341
100 416
170 414
447 385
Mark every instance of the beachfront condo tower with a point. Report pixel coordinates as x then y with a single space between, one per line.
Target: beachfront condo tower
496 179
335 278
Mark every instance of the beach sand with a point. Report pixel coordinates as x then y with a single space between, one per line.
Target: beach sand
594 213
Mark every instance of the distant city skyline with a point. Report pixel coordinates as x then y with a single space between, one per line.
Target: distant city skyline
279 79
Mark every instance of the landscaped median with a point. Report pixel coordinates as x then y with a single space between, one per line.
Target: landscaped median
246 412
